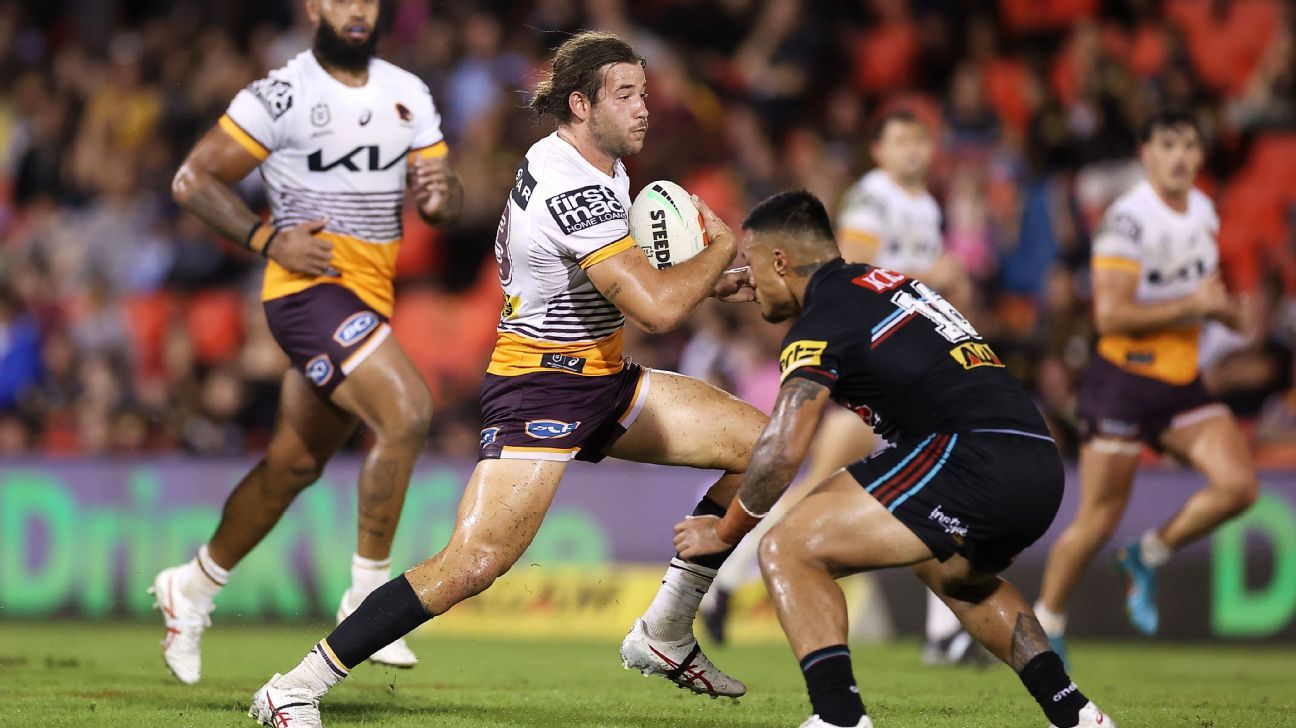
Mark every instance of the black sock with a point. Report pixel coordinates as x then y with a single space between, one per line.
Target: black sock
1046 679
390 612
831 685
708 507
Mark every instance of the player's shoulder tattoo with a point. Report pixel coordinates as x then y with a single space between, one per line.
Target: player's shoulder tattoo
275 94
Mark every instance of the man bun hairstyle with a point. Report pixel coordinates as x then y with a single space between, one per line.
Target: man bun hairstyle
797 211
578 66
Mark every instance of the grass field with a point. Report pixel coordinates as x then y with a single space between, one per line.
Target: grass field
77 674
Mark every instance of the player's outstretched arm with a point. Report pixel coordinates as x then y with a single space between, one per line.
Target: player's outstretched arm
1117 312
438 192
775 461
659 300
204 186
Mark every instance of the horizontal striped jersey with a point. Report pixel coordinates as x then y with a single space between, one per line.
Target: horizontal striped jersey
1171 252
337 152
562 216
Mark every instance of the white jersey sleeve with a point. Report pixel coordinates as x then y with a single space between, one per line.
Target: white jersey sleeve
427 125
583 221
258 112
1119 237
863 213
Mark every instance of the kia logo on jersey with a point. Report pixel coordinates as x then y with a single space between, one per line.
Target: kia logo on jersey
545 429
369 156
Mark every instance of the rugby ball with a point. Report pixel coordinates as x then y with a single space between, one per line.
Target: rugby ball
666 224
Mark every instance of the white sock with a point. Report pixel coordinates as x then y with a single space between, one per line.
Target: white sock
203 578
1054 623
318 671
670 616
1153 550
366 575
941 622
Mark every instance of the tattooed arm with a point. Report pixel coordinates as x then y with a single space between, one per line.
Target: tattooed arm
204 185
775 462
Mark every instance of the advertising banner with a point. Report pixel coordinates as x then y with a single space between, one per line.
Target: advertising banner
85 538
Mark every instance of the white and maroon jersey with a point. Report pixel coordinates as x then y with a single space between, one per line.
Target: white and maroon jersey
903 229
339 152
562 216
1171 252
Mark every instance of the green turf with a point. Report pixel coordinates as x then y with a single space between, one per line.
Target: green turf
77 674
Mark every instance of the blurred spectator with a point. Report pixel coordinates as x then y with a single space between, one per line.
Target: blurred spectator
126 327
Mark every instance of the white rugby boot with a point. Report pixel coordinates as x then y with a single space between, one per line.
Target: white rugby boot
285 707
815 721
185 622
1092 717
681 662
397 654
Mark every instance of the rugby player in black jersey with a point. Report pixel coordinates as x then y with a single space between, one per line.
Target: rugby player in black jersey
972 480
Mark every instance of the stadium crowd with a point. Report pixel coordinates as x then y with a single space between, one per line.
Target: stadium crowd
125 327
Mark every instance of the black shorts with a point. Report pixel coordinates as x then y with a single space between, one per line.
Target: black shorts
1119 405
559 416
326 331
983 495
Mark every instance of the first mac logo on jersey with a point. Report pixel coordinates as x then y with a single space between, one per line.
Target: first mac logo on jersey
585 208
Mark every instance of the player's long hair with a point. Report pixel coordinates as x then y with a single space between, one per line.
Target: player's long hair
578 66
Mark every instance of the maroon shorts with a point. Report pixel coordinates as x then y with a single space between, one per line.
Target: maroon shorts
326 330
559 416
1118 405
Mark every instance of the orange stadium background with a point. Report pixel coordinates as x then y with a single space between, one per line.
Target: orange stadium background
136 367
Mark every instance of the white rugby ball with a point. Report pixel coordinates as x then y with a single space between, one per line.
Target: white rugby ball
666 224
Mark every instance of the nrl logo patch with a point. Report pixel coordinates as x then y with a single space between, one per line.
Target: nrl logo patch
319 370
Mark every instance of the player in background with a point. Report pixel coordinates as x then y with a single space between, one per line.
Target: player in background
559 388
891 220
338 135
1155 281
971 480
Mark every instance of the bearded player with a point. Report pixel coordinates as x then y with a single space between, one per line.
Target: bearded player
888 219
972 477
1155 282
559 387
337 135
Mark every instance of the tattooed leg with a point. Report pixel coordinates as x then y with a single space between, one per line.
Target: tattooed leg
388 394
